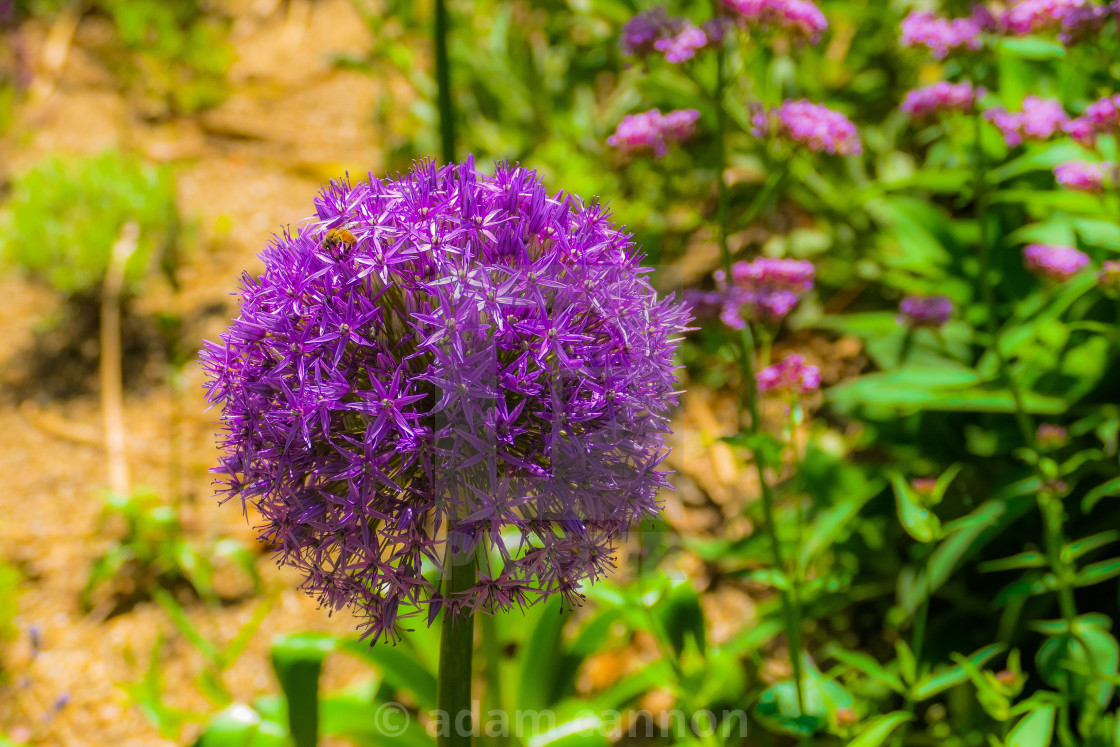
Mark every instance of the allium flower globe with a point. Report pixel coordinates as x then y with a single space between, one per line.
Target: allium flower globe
446 361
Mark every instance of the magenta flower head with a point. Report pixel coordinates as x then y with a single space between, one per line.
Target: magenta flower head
799 18
918 311
1050 436
442 362
813 126
944 35
792 375
764 290
1040 119
642 32
654 131
1103 116
1058 263
941 97
1074 19
1081 176
683 44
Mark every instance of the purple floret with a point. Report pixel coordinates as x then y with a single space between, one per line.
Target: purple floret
446 359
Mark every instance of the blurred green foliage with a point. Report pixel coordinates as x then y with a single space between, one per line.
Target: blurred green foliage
64 215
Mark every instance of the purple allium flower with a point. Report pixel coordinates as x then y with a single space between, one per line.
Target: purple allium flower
1050 436
792 375
1109 277
446 360
813 125
801 18
941 97
943 35
1081 176
654 131
931 311
642 32
682 45
1054 262
1040 119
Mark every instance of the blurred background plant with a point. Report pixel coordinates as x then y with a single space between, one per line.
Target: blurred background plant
942 511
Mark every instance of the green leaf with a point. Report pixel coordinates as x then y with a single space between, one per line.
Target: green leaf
1074 550
358 719
918 521
1109 489
298 660
866 664
241 726
1096 573
1030 559
179 616
907 664
777 706
540 658
399 667
947 677
876 731
585 729
1032 48
1036 729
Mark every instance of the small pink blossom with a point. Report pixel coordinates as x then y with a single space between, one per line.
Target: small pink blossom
683 45
1040 119
799 17
918 311
1081 176
815 126
941 97
1057 263
942 35
654 131
1109 277
791 375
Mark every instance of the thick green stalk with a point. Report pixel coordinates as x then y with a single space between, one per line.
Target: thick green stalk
456 646
443 83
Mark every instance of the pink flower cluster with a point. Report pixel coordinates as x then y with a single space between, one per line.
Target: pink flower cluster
654 131
792 375
764 289
1075 19
677 38
1039 120
919 311
813 125
1081 176
1101 117
943 35
1058 263
941 97
798 17
682 45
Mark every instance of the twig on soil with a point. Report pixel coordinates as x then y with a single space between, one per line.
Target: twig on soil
112 386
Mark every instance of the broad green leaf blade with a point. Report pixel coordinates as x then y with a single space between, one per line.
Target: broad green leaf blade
298 660
1036 729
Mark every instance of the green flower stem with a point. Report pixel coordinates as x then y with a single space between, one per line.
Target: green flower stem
746 361
443 83
456 646
1050 506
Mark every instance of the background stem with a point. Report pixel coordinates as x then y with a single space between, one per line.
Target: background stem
443 83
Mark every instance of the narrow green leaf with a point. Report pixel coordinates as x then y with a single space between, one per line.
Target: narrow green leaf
1030 559
918 521
400 668
1110 489
945 678
1096 573
879 728
866 664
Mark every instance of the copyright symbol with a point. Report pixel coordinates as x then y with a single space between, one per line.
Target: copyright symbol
390 719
